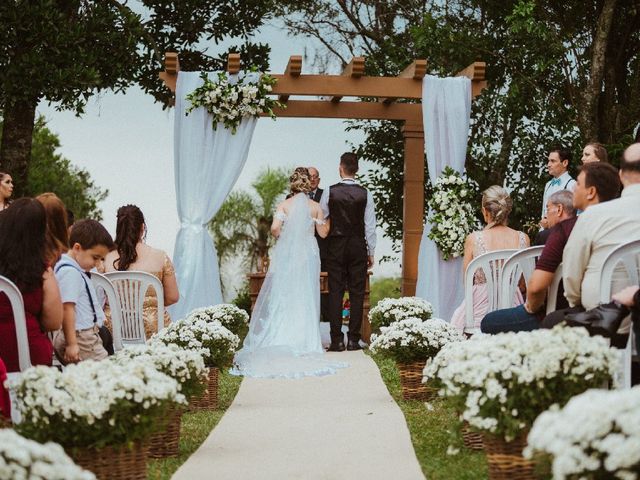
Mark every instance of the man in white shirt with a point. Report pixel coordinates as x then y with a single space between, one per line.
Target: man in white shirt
557 166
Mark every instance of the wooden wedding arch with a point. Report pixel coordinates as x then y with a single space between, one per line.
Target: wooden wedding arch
383 92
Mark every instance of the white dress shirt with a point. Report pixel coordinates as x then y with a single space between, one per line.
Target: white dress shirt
566 183
369 215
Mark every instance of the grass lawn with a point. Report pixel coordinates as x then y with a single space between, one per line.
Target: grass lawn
432 432
195 428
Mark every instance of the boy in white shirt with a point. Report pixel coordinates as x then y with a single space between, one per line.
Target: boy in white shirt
83 315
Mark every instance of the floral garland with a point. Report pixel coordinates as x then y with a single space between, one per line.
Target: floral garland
389 310
23 458
595 435
228 103
231 317
451 214
501 383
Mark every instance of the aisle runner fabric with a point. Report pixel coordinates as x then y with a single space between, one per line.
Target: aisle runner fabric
334 427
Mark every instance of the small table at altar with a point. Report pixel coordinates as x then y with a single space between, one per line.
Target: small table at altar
255 284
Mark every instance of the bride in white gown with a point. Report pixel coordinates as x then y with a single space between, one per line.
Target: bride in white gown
284 332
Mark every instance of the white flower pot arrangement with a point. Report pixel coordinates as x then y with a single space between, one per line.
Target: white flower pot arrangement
187 368
29 460
100 412
213 341
390 310
231 317
411 342
595 436
501 383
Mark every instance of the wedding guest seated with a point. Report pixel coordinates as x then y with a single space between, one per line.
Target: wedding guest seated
57 230
496 207
594 152
559 208
598 230
132 253
22 260
6 190
597 182
630 298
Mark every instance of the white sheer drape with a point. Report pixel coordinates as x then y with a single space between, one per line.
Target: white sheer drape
207 163
446 110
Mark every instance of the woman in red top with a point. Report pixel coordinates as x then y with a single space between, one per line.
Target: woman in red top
22 260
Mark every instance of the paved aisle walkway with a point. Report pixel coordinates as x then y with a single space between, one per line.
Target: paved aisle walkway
343 426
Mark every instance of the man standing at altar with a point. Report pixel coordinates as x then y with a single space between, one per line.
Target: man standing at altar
557 166
350 249
316 194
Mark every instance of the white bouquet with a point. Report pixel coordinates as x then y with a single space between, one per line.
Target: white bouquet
389 310
229 103
451 213
413 339
184 366
94 404
596 435
21 458
502 382
231 317
209 338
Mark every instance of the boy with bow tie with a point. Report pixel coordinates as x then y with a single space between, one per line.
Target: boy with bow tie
557 165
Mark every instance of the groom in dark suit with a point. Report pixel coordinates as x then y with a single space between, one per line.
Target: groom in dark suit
350 249
316 194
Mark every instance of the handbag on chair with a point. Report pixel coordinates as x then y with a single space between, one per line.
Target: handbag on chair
604 320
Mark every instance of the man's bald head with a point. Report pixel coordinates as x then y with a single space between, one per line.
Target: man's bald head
630 165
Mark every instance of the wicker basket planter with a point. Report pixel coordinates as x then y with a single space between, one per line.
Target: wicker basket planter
166 442
208 400
471 439
411 381
505 459
114 463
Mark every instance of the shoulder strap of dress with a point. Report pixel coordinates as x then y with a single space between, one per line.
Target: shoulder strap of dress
480 243
522 239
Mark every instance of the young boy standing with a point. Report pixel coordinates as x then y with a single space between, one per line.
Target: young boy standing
83 315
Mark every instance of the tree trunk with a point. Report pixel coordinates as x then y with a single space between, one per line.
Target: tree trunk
17 136
588 117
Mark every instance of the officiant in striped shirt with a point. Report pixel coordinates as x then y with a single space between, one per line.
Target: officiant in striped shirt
557 166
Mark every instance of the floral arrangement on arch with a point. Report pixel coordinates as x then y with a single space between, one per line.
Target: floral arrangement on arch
413 339
228 103
94 404
451 212
230 316
596 435
211 339
501 383
24 458
184 366
389 310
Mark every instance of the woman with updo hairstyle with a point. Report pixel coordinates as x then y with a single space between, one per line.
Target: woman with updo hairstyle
6 190
496 208
57 228
594 152
132 253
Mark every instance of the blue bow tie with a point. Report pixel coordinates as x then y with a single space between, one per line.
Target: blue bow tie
555 181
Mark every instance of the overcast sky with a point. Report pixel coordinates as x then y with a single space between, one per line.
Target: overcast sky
125 141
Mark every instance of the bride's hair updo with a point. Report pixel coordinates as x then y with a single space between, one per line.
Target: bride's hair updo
299 180
497 202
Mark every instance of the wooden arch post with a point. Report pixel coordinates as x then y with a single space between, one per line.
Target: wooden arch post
385 91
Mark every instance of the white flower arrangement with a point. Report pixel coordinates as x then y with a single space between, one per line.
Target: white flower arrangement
451 212
211 339
596 435
389 310
184 366
94 404
231 317
413 339
228 103
502 382
21 458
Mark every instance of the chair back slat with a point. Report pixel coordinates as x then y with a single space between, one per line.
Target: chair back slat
552 291
519 265
19 319
102 284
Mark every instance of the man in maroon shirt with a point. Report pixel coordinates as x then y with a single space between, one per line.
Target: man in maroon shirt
597 182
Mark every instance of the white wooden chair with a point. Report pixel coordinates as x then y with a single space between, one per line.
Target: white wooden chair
130 287
491 263
102 283
627 254
520 264
552 291
20 321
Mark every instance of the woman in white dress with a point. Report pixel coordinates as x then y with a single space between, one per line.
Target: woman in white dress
284 332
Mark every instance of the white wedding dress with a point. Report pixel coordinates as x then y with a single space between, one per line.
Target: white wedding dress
284 332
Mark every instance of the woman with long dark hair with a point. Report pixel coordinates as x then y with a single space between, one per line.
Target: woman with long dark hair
132 253
23 229
6 190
